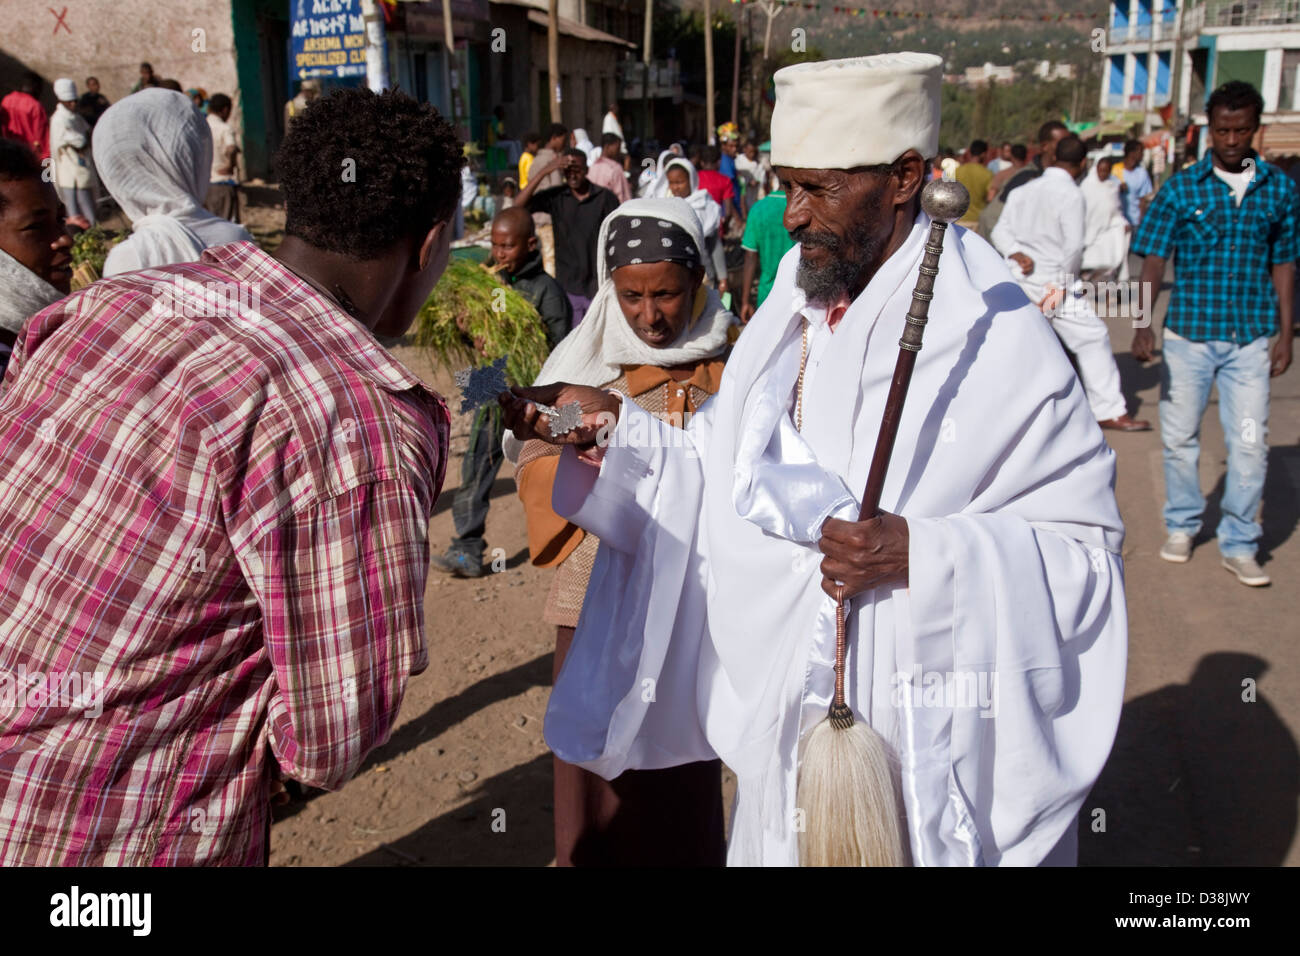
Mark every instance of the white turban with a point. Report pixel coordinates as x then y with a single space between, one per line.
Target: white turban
837 114
65 89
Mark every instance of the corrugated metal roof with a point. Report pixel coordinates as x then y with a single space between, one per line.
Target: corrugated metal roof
537 13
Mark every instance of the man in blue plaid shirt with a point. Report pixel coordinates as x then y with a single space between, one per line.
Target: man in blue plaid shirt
1230 221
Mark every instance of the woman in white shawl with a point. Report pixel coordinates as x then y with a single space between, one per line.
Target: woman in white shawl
1106 231
657 333
650 175
153 151
679 178
583 142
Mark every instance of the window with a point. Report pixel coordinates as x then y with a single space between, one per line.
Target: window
1286 99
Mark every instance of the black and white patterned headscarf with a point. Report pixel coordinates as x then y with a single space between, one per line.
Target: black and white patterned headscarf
631 240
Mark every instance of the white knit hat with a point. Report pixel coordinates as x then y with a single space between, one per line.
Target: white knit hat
64 89
837 114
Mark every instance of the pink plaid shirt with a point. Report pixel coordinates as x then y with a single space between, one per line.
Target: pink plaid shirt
213 547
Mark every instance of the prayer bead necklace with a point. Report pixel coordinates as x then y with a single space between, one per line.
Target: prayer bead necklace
803 362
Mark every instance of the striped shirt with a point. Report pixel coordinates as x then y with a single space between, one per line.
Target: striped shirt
214 495
1223 252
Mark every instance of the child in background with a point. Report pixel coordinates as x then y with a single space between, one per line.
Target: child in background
519 265
532 143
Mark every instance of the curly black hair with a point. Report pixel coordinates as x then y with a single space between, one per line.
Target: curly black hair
16 162
1235 95
361 171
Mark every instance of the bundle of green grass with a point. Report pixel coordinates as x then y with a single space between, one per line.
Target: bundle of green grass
471 318
89 250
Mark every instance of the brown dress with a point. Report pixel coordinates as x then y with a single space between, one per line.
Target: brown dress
670 817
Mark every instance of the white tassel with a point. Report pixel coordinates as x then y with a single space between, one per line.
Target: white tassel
849 791
849 799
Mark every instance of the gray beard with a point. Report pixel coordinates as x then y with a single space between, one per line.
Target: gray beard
834 281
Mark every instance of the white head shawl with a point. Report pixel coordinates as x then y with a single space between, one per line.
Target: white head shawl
648 178
22 293
603 342
153 151
703 204
583 142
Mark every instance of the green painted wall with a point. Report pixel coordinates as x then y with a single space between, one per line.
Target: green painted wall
261 131
1245 65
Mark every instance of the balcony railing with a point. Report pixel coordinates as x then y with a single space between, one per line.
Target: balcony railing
1142 32
1215 14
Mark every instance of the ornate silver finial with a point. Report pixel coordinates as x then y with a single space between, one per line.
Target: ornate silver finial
945 200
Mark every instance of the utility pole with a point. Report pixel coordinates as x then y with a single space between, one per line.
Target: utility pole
1153 70
735 68
647 52
376 46
709 117
771 8
1175 88
553 57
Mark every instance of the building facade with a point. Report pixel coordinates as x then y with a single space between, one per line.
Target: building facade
1177 51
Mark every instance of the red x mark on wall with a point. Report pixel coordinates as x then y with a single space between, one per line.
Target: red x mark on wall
58 19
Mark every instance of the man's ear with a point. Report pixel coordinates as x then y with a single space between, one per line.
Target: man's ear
431 241
909 175
532 243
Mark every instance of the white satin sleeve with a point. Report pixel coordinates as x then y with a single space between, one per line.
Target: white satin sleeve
1038 615
628 696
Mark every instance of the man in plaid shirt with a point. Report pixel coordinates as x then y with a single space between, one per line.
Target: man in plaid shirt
215 485
1230 222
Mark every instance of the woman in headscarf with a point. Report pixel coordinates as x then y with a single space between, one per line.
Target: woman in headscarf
680 179
656 333
583 142
1106 231
153 151
650 175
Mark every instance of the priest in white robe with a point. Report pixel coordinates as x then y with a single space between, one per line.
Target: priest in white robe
987 631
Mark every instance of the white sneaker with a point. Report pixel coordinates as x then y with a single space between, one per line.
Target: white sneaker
1177 547
1248 571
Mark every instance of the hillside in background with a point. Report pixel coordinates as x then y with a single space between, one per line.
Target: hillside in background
1009 112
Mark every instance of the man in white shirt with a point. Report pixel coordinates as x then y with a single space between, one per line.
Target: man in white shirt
223 188
709 629
1042 230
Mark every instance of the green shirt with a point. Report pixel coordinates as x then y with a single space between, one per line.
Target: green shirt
976 178
765 234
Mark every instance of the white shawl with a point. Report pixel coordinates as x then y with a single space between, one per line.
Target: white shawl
704 205
22 293
153 151
705 632
583 142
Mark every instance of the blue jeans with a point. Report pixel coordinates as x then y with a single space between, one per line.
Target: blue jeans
478 471
1241 372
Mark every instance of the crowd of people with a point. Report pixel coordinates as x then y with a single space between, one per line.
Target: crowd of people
227 517
66 137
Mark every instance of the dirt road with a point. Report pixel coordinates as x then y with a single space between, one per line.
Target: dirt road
1204 771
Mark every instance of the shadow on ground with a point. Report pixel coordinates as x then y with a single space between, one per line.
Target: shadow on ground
443 715
1199 776
508 823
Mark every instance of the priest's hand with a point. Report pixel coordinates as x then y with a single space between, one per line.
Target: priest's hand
599 412
864 554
